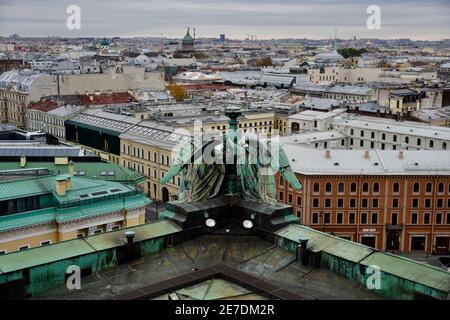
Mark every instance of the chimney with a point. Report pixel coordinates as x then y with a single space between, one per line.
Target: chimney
327 154
302 251
23 161
367 154
71 168
401 155
61 185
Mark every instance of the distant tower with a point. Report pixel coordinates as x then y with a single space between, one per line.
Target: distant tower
222 38
187 44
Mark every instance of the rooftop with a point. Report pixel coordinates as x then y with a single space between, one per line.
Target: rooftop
374 162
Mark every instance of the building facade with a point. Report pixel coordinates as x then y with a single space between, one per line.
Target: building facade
381 199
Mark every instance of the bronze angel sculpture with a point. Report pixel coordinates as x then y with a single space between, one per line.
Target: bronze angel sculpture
242 165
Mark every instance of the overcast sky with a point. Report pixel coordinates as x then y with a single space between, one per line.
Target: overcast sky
425 19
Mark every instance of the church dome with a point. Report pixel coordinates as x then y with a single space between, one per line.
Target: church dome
188 38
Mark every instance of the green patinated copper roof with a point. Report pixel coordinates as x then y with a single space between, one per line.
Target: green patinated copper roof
108 171
143 232
86 197
414 271
42 255
319 241
63 250
408 269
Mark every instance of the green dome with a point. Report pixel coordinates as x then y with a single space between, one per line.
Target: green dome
187 38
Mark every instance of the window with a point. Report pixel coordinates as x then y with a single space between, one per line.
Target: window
429 187
394 219
440 203
315 203
372 135
361 143
447 219
431 144
328 187
340 203
426 218
364 203
362 133
375 203
351 218
374 218
419 141
383 136
444 145
46 243
352 203
441 187
427 203
416 187
353 187
415 203
365 187
418 243
363 218
395 203
281 196
394 138
316 187
289 198
315 218
406 139
339 218
414 218
299 201
376 187
327 203
395 187
341 187
22 248
438 218
327 218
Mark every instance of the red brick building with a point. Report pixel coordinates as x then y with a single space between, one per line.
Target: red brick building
10 64
390 200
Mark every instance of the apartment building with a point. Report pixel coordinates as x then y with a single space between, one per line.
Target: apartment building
390 200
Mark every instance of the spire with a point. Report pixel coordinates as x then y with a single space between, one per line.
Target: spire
335 35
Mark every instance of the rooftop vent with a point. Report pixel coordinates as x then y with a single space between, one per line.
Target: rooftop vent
327 154
366 154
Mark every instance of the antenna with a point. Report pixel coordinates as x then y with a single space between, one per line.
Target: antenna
335 35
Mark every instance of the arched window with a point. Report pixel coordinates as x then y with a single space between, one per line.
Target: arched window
341 187
441 187
351 131
376 187
155 157
162 159
431 144
416 187
328 187
353 187
316 187
383 136
429 187
394 138
444 145
168 160
396 187
372 135
419 141
365 187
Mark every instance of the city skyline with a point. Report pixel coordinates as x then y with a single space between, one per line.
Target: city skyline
237 19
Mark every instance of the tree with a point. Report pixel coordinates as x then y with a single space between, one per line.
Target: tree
264 62
351 52
178 92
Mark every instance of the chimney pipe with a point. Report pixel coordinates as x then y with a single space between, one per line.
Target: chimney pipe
302 251
71 168
130 236
366 154
401 155
327 154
